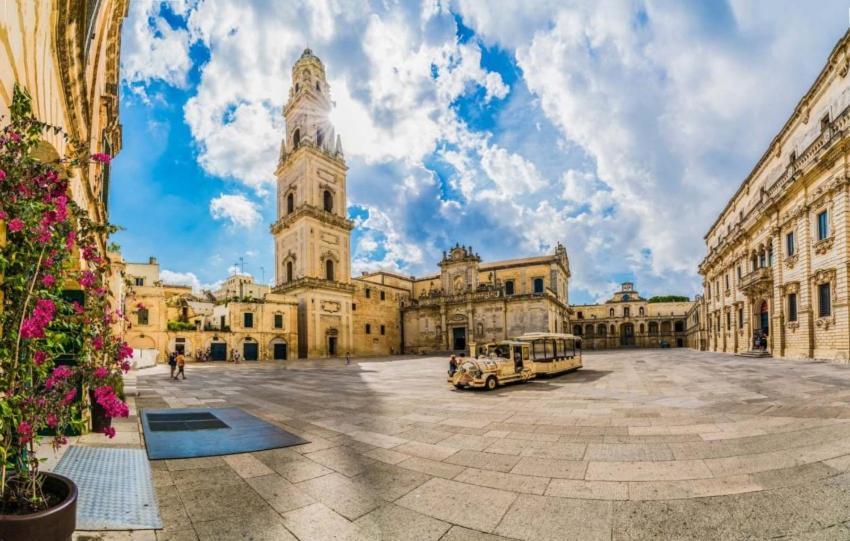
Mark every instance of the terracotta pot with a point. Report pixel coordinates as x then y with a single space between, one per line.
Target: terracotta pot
99 418
54 524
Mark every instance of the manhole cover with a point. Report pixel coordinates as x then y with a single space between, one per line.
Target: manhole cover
178 422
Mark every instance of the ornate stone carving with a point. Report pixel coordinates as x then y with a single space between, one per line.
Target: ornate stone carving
790 261
330 306
824 245
790 287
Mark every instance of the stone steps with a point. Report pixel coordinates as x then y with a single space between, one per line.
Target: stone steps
756 354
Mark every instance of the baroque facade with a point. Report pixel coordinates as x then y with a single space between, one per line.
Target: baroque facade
629 320
777 264
65 54
166 317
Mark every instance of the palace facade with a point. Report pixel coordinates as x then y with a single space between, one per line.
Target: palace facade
777 264
65 55
629 320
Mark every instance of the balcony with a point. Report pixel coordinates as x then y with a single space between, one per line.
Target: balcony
757 281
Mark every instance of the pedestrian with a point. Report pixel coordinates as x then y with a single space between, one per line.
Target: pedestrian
172 362
181 365
347 358
452 366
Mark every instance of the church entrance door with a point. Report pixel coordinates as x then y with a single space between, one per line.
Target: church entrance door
459 338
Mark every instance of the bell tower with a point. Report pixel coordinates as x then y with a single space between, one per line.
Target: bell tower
311 233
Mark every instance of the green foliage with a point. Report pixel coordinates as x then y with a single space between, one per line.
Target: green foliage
51 344
669 298
180 326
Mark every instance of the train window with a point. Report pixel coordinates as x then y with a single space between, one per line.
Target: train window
561 349
539 352
550 349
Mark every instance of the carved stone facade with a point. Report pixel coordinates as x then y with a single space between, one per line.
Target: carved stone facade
778 261
628 320
65 54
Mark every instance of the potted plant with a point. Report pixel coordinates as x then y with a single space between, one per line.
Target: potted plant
56 325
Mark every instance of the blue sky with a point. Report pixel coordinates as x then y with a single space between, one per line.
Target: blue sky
617 128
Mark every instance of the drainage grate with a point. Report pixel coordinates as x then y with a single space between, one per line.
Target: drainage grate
181 422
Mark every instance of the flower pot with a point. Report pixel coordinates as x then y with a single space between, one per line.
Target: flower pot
56 523
99 419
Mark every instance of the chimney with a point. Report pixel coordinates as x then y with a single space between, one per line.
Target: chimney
152 260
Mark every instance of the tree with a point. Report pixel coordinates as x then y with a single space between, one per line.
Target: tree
669 298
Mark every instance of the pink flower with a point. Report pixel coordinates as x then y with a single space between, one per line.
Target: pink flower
3 215
24 431
48 280
69 397
113 406
101 372
52 421
97 343
2 175
39 357
16 225
109 431
79 309
124 351
87 279
42 315
101 157
70 240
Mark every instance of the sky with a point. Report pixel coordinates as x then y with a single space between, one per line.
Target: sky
618 128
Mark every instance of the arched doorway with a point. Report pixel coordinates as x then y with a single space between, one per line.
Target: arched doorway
279 349
627 334
764 318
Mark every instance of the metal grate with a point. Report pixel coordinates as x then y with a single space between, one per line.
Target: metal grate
115 488
181 422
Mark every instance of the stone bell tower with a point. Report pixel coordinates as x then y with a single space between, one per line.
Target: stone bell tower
311 233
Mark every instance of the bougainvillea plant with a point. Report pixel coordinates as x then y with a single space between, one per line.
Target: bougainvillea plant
58 348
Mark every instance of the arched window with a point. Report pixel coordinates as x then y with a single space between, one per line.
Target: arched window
577 330
625 311
329 269
653 327
296 138
290 203
297 87
289 274
641 328
601 329
640 311
611 312
588 330
538 285
320 137
613 330
329 201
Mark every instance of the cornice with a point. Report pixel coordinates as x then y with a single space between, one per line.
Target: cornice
311 211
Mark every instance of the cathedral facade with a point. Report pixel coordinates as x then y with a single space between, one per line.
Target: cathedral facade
383 313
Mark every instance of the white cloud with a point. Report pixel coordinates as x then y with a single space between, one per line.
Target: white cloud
151 49
235 208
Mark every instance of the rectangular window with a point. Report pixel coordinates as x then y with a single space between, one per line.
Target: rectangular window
824 305
790 245
740 318
368 293
792 307
726 278
368 329
509 287
739 272
248 320
143 316
538 285
626 311
383 330
383 295
139 281
278 321
728 321
823 225
353 307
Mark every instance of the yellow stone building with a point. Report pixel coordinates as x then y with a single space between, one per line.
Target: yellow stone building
165 318
629 320
65 54
311 233
777 262
473 302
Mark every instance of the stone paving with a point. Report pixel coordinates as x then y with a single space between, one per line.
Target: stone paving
640 444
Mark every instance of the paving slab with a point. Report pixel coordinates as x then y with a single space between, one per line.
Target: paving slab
474 507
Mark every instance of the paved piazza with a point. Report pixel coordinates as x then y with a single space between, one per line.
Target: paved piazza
640 444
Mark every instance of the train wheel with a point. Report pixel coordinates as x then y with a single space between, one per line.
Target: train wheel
491 383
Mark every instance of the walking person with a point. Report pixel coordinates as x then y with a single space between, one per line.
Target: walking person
181 365
172 362
452 366
347 358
